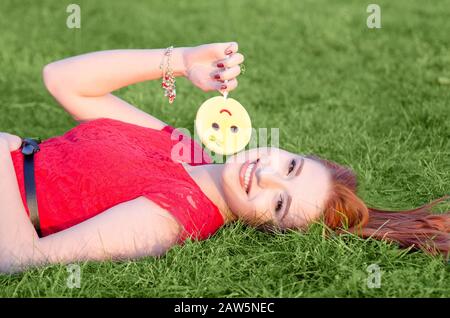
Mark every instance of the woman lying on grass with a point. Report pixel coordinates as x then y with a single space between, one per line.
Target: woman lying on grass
110 188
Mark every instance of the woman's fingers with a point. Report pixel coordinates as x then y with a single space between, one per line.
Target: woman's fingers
221 86
228 73
14 141
228 86
221 50
232 48
233 60
219 61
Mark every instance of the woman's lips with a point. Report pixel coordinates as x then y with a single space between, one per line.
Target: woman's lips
242 174
249 187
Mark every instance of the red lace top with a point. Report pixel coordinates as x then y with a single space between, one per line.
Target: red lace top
103 162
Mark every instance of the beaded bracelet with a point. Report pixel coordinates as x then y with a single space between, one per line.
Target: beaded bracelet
168 80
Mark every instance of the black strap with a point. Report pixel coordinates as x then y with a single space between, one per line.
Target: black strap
29 148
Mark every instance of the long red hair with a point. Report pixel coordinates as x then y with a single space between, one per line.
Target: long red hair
417 228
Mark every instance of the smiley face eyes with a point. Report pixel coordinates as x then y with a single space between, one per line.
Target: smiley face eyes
234 129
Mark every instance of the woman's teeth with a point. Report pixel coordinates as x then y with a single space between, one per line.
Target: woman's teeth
248 173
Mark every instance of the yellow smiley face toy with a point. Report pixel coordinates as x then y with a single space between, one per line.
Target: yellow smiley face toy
223 125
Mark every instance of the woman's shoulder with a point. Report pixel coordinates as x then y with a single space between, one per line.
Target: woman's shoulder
174 141
110 122
185 148
111 130
183 198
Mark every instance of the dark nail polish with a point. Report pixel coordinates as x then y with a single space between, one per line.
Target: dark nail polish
217 76
228 52
220 65
223 86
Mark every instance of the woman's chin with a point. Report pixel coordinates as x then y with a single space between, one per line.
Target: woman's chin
235 196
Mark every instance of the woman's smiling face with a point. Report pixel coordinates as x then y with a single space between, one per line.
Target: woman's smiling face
274 187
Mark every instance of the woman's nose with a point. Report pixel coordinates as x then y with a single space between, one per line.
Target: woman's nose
267 176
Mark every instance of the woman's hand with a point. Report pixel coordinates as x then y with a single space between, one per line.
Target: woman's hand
208 66
14 142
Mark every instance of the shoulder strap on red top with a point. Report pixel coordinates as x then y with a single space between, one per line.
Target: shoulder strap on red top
168 129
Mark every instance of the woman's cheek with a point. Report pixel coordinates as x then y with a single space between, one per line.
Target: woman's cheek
232 198
243 210
240 208
256 215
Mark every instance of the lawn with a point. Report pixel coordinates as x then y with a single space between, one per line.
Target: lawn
377 100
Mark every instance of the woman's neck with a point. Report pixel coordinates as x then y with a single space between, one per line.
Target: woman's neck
208 178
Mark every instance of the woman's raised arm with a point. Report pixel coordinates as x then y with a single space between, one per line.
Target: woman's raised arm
83 84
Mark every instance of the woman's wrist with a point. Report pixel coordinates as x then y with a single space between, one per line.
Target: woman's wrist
178 64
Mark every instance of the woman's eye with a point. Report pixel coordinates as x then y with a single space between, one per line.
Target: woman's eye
279 204
292 166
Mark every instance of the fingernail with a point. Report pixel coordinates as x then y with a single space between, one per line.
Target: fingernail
228 51
220 65
217 76
223 86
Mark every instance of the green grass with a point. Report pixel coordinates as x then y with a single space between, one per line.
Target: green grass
367 98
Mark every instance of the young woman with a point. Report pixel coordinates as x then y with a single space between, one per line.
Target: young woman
110 188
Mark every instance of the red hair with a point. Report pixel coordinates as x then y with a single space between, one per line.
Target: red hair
417 228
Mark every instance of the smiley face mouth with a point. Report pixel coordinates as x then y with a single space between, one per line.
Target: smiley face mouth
215 140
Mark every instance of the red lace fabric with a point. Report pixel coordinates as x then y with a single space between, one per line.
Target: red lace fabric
103 162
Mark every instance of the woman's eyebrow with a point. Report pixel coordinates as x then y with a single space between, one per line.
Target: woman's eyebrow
302 162
289 200
288 205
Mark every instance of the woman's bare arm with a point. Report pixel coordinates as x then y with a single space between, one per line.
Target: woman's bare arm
132 229
83 84
129 230
17 235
